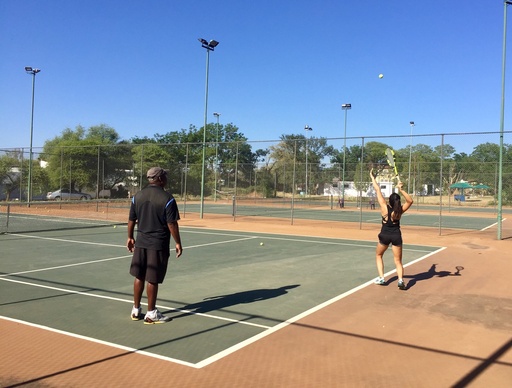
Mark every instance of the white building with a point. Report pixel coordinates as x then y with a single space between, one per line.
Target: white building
352 191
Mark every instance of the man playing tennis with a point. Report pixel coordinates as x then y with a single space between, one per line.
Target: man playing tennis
390 231
156 213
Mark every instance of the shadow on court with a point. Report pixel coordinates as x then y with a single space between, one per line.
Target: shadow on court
224 301
431 273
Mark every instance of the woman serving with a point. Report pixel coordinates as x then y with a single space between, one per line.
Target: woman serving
390 232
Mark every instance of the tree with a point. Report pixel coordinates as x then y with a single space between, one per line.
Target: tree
293 151
10 178
84 159
181 152
484 168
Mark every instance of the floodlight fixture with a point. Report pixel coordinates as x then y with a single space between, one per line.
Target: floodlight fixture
210 46
31 70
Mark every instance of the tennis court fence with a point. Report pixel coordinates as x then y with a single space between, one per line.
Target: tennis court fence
18 218
266 177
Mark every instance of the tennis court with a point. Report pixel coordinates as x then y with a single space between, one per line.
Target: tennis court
299 310
426 216
228 290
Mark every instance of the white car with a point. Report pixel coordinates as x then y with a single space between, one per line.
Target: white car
64 194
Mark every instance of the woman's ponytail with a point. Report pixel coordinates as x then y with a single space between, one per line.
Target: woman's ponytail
396 206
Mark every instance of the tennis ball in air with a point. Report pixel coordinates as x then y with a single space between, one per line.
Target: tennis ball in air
115 226
381 76
261 244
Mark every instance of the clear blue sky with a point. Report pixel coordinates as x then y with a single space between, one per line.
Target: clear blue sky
138 67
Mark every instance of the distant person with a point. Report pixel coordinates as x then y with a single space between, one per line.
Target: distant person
390 231
372 203
341 202
156 214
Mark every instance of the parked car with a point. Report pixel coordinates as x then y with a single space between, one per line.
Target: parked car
65 195
39 197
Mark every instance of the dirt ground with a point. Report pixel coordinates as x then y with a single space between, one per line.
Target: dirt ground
451 328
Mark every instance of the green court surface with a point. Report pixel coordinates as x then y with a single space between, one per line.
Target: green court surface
478 221
226 291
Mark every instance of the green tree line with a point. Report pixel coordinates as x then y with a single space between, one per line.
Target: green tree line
98 160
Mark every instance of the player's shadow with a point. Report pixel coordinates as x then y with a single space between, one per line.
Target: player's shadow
431 273
224 301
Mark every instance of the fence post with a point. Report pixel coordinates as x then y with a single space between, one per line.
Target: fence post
293 178
361 186
441 186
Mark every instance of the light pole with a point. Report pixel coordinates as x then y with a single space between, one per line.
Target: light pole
502 118
209 46
344 107
216 154
32 71
307 128
411 123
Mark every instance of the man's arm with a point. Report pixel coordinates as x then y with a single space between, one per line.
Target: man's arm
175 233
130 243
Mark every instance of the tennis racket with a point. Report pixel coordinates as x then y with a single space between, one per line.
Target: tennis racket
390 156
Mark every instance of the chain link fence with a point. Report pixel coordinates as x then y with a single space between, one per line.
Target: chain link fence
439 170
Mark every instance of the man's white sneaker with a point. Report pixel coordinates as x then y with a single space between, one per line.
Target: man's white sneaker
136 313
155 316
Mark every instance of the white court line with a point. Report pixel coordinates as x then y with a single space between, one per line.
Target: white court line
291 236
222 354
490 226
244 237
64 220
268 330
370 243
101 260
304 314
4 277
122 246
68 291
64 266
111 344
67 240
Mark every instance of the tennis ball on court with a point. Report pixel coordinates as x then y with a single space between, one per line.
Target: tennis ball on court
381 75
261 244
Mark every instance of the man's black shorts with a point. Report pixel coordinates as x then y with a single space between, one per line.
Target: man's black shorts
390 238
149 264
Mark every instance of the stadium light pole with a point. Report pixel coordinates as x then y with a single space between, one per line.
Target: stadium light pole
209 46
216 154
307 128
502 118
411 123
32 71
344 107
